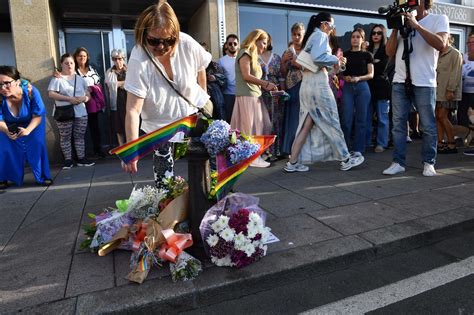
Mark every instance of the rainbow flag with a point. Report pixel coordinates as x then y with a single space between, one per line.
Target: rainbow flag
138 148
228 173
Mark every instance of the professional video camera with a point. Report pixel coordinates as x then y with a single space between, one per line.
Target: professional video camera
395 19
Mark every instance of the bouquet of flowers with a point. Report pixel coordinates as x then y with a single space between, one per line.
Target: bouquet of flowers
220 138
234 231
144 202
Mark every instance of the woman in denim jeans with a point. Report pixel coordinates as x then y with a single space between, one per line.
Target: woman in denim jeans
379 89
356 92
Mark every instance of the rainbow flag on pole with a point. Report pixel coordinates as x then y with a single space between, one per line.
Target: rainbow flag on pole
145 144
228 173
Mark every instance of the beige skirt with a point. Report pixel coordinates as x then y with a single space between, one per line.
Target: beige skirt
250 116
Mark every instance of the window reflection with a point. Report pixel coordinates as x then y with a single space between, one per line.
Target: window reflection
278 23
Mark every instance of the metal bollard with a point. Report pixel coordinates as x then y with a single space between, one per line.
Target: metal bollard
199 180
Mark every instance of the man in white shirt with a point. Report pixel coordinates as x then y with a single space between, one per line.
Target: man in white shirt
227 62
429 36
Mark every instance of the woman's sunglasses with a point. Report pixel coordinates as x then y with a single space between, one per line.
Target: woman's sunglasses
377 33
166 42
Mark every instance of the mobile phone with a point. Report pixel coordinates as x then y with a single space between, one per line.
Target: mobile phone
13 128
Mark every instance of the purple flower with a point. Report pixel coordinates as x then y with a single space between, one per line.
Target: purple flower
239 220
221 249
216 137
241 150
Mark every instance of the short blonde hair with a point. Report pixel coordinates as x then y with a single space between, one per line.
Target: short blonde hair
160 15
250 44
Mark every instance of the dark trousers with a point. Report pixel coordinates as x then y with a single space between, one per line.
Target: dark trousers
229 106
95 131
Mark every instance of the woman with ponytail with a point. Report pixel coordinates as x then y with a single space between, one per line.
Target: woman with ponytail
319 136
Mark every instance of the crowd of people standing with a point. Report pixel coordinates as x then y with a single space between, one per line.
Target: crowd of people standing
336 108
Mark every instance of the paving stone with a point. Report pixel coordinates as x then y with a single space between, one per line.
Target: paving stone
299 230
89 273
335 199
361 217
284 203
422 203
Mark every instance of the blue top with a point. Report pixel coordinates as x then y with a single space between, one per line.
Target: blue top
28 109
318 46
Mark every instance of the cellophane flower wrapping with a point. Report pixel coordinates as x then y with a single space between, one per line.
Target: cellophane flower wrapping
144 202
107 225
234 231
186 268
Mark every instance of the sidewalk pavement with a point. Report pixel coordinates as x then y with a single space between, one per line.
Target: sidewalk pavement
325 219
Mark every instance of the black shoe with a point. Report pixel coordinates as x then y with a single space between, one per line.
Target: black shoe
4 184
469 152
85 162
68 164
46 182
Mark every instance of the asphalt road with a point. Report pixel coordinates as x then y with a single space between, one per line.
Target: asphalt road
436 279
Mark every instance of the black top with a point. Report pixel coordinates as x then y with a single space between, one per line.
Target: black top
380 84
357 62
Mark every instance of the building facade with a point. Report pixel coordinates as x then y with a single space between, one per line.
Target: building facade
34 33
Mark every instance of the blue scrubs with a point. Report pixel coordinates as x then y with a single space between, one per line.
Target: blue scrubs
31 149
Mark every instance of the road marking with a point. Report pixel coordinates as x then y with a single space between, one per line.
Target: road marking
398 291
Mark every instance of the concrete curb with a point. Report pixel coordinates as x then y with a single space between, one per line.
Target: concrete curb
214 285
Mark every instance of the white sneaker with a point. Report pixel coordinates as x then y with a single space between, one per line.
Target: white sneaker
409 139
259 162
429 170
290 168
393 169
353 161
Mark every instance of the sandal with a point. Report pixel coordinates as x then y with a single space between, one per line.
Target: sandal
4 184
450 150
442 146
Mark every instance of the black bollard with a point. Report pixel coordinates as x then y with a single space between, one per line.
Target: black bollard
199 180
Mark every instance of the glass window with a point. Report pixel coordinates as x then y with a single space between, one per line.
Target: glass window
129 42
278 23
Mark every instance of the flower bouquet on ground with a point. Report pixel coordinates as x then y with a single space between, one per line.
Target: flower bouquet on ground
234 232
232 152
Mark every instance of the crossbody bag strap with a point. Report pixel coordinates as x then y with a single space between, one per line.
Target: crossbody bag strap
166 78
74 93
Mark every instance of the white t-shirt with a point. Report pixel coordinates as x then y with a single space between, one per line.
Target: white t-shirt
228 64
424 58
468 75
162 105
66 87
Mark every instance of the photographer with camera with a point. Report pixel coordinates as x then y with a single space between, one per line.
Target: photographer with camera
418 44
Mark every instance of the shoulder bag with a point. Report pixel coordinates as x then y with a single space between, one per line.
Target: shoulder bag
206 110
304 59
65 112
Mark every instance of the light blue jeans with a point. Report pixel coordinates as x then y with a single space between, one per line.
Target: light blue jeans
382 107
424 100
355 104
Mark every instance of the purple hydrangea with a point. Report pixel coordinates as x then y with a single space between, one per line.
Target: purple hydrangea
216 138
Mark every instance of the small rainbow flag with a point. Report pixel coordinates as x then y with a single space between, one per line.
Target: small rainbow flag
228 173
138 148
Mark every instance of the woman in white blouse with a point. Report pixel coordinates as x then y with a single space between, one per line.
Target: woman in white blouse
182 62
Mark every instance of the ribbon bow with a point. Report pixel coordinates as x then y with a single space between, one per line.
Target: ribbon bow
175 244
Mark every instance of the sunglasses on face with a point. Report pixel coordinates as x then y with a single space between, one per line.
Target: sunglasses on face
377 33
117 58
166 42
6 84
330 25
232 44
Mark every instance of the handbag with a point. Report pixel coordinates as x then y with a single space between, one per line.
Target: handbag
65 112
304 59
206 110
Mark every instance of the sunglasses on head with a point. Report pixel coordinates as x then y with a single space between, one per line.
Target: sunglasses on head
377 33
166 42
